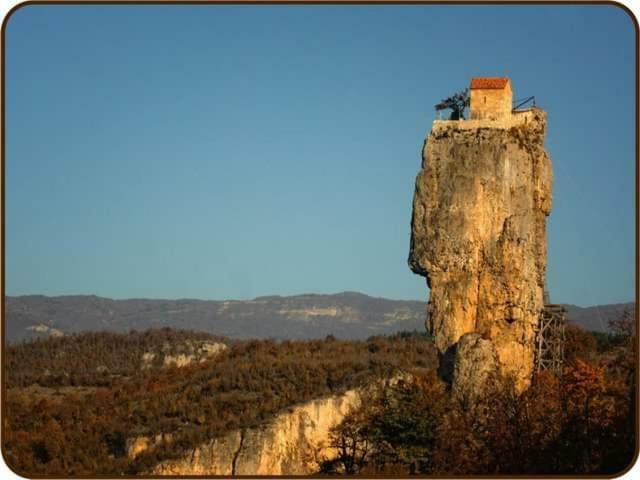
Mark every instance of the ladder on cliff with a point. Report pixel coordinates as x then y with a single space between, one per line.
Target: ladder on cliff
550 338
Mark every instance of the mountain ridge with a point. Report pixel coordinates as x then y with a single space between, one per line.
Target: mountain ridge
349 315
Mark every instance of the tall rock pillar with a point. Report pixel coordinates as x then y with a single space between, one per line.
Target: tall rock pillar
478 235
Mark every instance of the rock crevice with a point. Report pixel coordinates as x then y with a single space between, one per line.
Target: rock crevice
234 461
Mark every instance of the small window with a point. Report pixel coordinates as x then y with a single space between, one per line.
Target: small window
485 100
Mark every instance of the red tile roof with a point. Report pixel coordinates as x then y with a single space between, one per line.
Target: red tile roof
489 83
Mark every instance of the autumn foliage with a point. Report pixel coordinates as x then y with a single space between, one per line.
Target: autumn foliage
582 422
73 404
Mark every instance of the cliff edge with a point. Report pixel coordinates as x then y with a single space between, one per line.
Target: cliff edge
294 442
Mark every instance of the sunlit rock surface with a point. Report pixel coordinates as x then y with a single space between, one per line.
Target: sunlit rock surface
478 234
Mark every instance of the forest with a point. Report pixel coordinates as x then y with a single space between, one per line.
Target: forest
73 402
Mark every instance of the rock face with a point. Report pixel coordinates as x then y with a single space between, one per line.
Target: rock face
138 445
475 368
41 328
478 234
294 442
183 354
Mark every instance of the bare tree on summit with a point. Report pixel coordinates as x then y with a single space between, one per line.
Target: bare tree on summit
457 103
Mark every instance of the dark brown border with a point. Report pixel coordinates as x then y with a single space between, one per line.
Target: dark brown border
5 21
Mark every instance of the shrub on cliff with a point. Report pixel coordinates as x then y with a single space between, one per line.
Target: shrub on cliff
394 432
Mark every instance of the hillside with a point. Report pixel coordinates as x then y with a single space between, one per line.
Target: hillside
82 405
347 315
111 404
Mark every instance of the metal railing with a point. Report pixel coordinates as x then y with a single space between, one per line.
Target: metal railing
523 101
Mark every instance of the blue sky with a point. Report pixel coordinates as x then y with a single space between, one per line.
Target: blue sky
236 151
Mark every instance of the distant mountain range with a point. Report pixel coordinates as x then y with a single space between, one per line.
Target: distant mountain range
597 317
348 315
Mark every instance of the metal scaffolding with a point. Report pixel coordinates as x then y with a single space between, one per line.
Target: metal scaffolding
550 338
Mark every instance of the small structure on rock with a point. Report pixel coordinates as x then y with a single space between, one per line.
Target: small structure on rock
491 97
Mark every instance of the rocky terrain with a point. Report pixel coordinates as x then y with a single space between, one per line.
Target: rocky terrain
478 234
